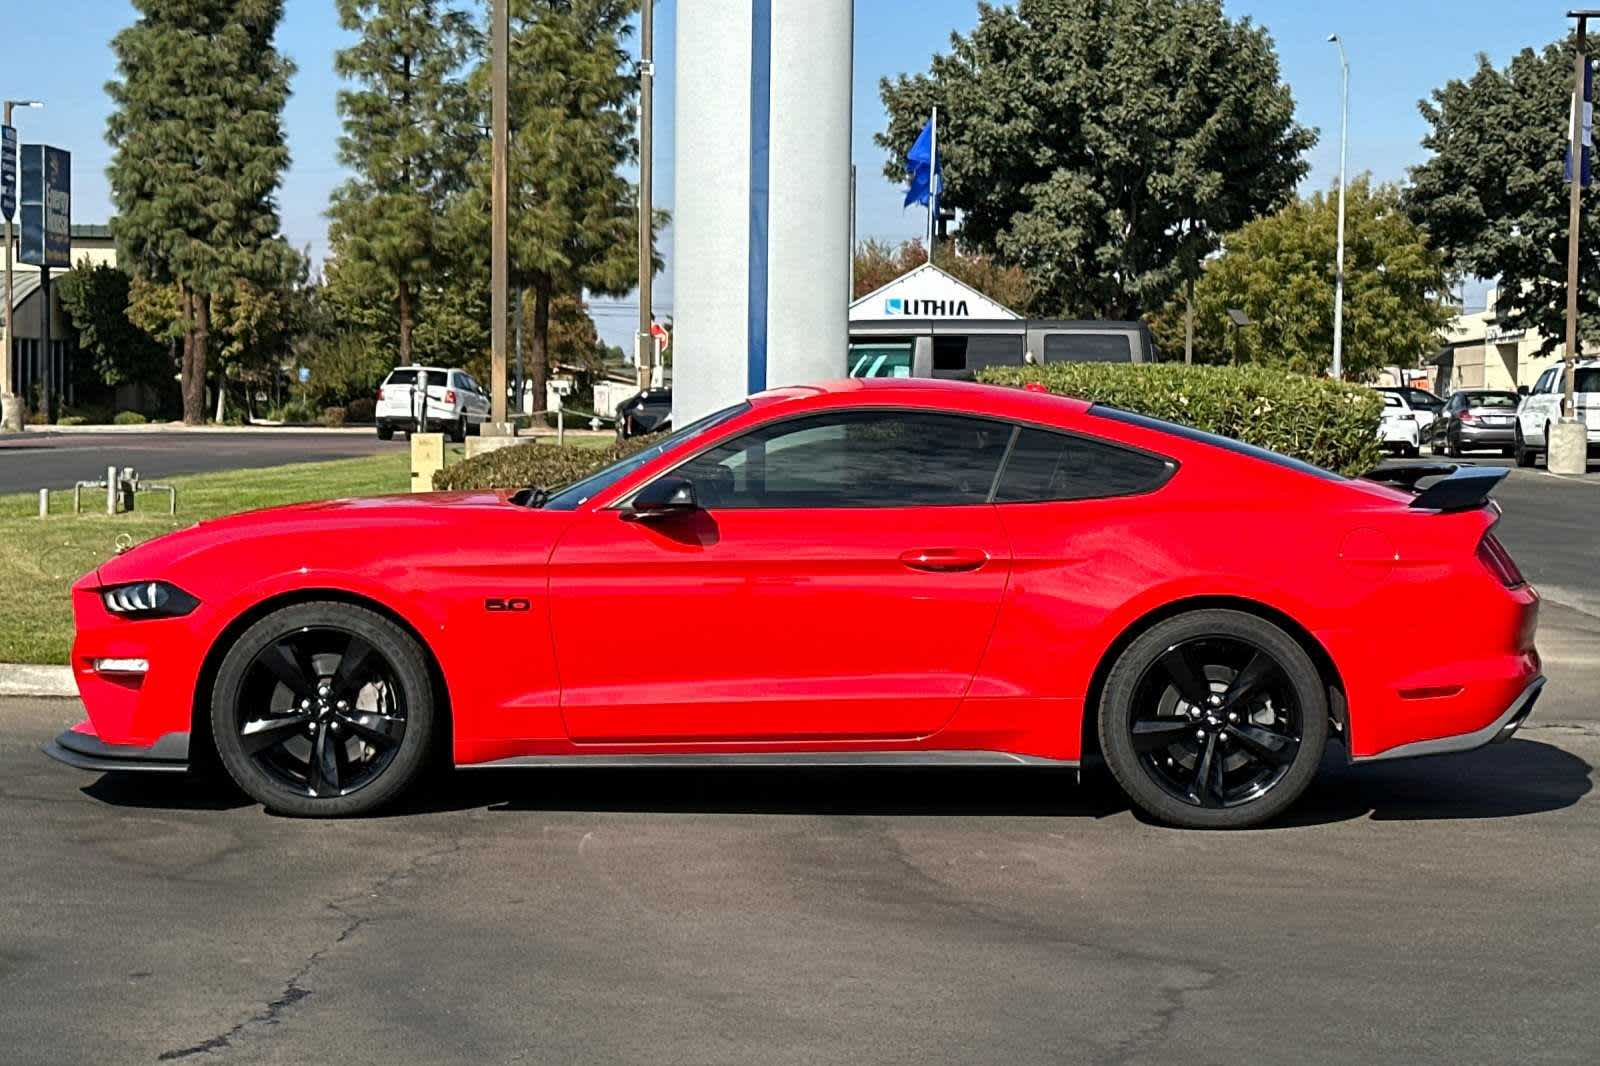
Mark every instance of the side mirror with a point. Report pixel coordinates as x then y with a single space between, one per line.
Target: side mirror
662 498
1522 390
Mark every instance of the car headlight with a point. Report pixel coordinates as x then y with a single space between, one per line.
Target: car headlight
148 599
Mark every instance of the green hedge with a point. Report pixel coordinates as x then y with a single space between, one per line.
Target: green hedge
1328 423
534 465
129 418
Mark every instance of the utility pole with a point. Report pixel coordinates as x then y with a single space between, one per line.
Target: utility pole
1338 270
499 259
11 405
1566 452
645 344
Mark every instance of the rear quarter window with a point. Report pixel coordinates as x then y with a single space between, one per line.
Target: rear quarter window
1238 447
1048 466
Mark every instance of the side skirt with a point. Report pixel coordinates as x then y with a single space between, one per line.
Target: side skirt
790 759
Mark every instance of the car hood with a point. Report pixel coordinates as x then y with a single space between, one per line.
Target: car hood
353 525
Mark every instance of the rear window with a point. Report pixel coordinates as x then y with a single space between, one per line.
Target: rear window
1238 447
401 377
1491 399
1088 348
1587 380
1055 466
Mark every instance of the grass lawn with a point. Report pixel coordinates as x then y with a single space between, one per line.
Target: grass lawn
41 558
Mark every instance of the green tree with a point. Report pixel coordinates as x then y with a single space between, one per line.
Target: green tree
199 154
572 118
879 262
96 298
1104 145
408 134
1279 270
1493 195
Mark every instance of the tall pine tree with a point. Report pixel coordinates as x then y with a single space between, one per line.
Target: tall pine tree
573 216
199 155
408 134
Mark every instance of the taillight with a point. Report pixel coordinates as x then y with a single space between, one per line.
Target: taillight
380 392
449 395
1468 416
1493 555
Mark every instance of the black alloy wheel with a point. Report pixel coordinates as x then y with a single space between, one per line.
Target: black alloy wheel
1214 719
323 709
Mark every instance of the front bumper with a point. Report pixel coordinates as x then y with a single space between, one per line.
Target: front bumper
1496 732
84 750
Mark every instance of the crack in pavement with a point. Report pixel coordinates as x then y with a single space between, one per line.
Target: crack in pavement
294 989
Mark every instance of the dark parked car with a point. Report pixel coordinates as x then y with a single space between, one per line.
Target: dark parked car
648 412
1475 418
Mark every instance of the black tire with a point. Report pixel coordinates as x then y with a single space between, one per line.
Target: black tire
357 682
459 432
385 431
1452 448
1521 452
1546 448
1268 735
1410 451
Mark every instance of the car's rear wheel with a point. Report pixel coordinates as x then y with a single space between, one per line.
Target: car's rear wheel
1520 451
1213 719
323 709
385 431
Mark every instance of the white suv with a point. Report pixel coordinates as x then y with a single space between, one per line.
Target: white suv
1542 407
456 404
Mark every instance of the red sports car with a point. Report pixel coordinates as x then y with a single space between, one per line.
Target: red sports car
864 573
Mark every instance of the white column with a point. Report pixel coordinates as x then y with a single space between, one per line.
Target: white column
710 224
808 296
728 188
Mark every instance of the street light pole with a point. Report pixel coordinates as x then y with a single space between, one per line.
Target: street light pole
645 346
10 403
499 258
1338 270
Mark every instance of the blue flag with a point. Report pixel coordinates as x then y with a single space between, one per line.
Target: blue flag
920 168
1586 130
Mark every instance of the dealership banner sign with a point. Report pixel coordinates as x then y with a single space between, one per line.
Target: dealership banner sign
46 206
8 173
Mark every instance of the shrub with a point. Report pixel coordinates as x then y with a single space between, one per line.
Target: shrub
72 420
129 418
332 416
362 410
295 412
1327 423
534 464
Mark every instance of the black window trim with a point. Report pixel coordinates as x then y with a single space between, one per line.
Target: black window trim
1214 440
1017 425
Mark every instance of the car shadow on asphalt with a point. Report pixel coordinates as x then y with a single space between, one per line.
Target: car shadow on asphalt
1504 781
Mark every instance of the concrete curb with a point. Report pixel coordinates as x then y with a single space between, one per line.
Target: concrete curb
179 427
23 679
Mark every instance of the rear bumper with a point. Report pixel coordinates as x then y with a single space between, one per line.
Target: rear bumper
1486 434
84 750
1496 732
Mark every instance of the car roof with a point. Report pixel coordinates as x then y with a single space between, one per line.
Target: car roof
999 400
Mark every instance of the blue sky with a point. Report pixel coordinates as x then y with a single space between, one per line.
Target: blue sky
1399 50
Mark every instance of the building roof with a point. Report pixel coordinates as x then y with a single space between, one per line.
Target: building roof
905 295
92 231
24 283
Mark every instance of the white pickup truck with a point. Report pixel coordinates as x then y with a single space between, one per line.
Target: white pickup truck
1542 407
456 404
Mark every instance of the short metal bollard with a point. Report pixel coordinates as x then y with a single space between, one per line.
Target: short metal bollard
121 489
44 503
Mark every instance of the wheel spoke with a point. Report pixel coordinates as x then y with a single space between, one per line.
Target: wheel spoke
1203 790
381 729
259 734
355 656
1265 744
286 664
1185 675
1157 733
1247 681
325 763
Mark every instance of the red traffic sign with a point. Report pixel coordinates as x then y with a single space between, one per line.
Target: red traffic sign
663 338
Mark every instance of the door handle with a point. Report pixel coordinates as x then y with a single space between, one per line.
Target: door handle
944 560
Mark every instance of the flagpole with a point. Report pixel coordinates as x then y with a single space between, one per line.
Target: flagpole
933 182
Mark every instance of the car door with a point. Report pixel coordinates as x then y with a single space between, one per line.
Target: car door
1536 408
839 581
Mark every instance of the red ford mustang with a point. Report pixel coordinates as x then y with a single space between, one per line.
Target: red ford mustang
870 572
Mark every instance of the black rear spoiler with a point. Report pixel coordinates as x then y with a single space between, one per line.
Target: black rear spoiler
1459 488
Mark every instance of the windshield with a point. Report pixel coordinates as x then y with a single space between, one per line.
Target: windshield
574 495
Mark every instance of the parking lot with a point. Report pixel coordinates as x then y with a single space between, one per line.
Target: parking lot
1441 911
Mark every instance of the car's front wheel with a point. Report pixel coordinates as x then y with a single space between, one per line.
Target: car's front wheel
1213 719
323 709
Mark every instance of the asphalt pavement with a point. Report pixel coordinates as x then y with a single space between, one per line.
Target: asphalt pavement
1442 910
34 461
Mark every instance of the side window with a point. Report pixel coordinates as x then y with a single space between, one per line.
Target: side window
1546 381
853 459
1088 348
1056 466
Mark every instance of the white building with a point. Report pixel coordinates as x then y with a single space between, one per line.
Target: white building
1480 352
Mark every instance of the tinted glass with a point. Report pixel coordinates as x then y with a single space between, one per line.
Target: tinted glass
1238 447
994 349
575 494
1425 400
402 377
1390 400
853 459
949 353
1055 466
1088 348
1586 380
1489 399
